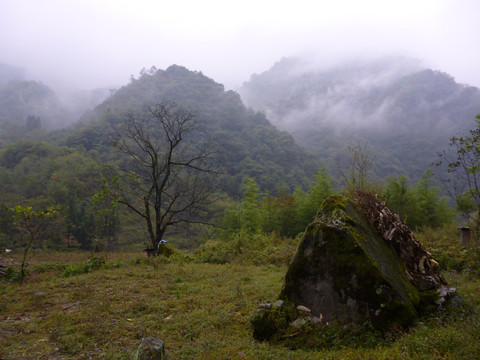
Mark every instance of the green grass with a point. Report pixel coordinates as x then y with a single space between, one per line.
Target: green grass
201 311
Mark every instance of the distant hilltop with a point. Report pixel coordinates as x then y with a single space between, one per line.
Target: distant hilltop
405 112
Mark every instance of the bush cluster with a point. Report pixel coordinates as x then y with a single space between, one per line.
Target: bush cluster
94 262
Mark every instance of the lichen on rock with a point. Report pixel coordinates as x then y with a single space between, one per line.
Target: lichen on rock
357 262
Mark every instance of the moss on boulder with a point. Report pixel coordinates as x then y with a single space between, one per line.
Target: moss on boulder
356 262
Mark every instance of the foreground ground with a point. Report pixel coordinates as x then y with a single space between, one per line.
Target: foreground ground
201 311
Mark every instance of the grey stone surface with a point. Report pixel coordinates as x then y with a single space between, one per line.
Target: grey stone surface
151 349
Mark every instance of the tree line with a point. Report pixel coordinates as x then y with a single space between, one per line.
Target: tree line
164 180
288 214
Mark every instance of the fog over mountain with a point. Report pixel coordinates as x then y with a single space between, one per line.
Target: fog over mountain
22 99
404 111
83 50
96 44
296 92
395 105
9 72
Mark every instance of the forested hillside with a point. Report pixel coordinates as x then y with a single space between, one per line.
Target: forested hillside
248 143
405 113
30 105
72 167
27 105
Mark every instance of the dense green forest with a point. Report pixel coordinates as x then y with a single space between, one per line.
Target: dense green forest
68 167
265 182
249 144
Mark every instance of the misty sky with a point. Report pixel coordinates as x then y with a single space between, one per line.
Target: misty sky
94 43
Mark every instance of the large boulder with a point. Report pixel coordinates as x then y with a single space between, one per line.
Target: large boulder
357 262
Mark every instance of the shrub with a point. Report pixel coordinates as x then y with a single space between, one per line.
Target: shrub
247 248
13 275
94 262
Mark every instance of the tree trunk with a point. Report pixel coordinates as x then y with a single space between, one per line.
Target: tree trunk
22 268
477 227
149 221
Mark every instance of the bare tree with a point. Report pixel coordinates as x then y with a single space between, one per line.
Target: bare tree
359 165
167 172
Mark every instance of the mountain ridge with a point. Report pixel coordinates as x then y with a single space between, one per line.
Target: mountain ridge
404 112
251 145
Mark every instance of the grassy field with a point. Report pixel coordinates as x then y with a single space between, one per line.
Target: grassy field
201 311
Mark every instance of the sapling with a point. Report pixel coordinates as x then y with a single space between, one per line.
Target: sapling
31 223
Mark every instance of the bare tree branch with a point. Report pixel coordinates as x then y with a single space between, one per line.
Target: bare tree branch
167 171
